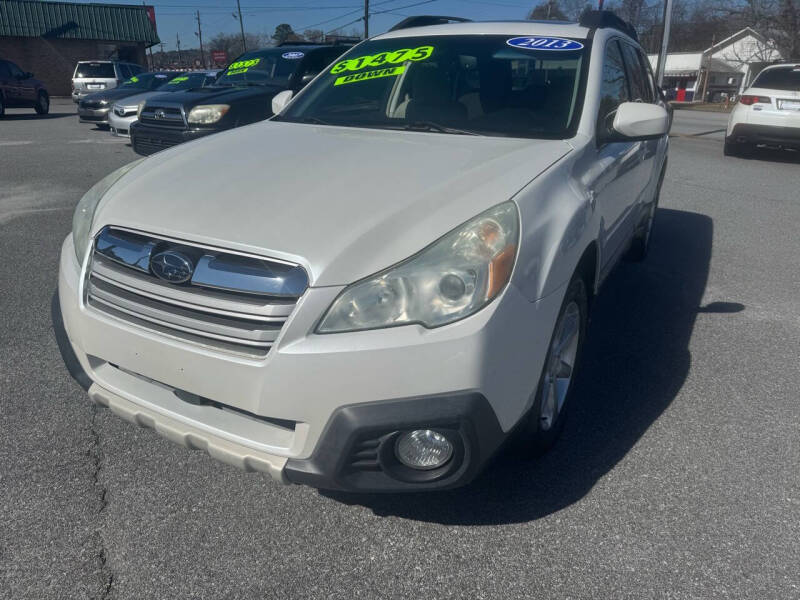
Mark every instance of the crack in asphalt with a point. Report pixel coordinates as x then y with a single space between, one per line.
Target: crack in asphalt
96 455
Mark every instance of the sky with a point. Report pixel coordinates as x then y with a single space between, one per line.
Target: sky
261 16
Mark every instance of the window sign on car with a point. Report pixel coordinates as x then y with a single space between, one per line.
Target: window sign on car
178 80
381 58
242 66
544 43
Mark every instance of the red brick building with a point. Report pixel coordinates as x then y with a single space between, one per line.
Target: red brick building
49 38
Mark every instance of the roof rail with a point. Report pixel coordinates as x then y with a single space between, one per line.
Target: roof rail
605 19
425 20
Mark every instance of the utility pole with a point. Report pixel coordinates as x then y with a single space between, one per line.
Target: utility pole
150 48
199 34
366 19
662 56
161 56
241 25
180 58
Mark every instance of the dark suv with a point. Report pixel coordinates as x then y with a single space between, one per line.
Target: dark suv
19 89
242 95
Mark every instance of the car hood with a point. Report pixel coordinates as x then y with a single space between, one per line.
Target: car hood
343 202
113 95
135 99
219 95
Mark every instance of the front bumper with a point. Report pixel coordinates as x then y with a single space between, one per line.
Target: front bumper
121 126
147 140
93 115
300 413
771 135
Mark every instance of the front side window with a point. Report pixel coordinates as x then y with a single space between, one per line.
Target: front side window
781 78
614 88
640 85
264 67
478 84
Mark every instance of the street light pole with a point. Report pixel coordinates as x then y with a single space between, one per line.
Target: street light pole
662 55
200 36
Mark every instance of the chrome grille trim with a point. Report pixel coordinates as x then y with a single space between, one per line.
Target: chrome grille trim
120 285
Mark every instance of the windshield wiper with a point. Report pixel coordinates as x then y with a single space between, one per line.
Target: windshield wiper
431 126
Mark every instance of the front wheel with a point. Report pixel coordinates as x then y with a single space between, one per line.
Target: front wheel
42 104
546 418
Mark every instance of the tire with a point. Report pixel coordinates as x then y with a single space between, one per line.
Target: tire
545 421
42 104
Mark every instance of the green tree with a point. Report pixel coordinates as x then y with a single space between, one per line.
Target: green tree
547 11
282 33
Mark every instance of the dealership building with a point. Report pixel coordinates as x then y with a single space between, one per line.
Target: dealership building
49 38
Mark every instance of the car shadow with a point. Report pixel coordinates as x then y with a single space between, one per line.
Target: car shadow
32 116
636 359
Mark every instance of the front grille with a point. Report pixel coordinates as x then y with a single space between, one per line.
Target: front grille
163 116
148 145
233 303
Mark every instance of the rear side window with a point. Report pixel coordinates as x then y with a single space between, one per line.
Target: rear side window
96 70
640 84
614 89
783 78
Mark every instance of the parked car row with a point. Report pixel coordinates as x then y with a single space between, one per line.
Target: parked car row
161 109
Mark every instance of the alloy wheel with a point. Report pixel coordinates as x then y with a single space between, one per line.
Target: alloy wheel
560 366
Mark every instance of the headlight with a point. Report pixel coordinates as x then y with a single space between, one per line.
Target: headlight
140 108
449 280
205 114
84 212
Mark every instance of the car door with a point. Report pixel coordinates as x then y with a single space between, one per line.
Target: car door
642 91
25 85
6 83
618 184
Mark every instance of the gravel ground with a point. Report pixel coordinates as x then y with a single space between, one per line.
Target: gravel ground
677 476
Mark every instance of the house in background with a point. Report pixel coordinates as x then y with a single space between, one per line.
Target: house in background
49 38
723 70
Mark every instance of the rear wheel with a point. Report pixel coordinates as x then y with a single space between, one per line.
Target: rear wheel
42 104
546 418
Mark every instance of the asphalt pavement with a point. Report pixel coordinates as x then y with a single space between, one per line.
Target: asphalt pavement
677 475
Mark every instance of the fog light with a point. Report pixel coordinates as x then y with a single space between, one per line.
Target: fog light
423 449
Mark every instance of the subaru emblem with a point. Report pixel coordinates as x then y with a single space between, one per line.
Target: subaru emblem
172 266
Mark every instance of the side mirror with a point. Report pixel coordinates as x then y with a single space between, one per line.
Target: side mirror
635 121
280 100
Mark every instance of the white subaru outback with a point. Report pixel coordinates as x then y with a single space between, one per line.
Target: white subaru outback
374 289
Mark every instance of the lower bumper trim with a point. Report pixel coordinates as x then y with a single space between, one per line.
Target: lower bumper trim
336 461
176 431
766 134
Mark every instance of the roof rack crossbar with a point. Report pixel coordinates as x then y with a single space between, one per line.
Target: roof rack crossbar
425 20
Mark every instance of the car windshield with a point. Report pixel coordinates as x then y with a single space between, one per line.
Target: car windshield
146 81
264 67
96 70
187 81
480 84
782 78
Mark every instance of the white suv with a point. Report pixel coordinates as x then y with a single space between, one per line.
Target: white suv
767 113
374 289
